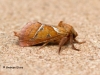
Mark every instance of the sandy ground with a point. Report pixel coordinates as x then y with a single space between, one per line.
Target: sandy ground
83 15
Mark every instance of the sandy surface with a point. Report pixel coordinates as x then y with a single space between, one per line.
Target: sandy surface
83 15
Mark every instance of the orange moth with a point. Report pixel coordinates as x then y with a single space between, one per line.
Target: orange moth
37 33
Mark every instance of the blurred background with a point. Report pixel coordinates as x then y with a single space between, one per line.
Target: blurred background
83 15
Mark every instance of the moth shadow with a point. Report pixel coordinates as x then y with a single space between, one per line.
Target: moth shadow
53 44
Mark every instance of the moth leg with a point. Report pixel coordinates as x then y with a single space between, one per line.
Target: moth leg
43 45
76 41
62 42
71 41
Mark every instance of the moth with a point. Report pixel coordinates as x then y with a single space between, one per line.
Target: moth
34 33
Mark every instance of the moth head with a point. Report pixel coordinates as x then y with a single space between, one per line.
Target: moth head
74 33
68 28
